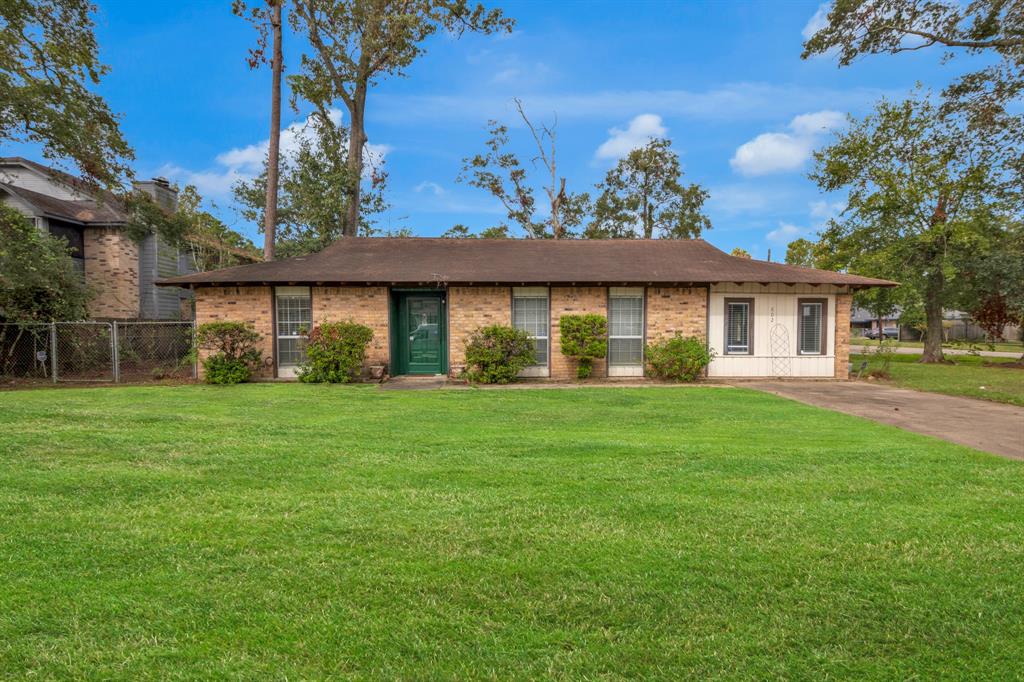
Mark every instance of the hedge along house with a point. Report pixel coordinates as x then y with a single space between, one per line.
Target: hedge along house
423 298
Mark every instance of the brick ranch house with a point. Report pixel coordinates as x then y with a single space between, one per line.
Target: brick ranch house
424 297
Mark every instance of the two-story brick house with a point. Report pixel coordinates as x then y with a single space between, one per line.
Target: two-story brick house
121 271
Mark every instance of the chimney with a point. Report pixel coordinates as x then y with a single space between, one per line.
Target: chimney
161 191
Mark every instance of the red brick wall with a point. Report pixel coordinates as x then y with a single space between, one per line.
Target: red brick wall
843 304
676 309
239 304
470 308
364 305
574 301
112 270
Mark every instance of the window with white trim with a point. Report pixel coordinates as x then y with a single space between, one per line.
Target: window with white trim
811 327
739 320
626 327
530 314
294 315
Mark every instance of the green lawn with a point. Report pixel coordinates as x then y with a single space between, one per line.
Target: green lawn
966 375
1006 346
293 532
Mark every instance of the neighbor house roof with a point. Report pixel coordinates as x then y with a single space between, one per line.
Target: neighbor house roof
86 211
423 261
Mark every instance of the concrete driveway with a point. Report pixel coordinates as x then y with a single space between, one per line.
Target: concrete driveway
988 426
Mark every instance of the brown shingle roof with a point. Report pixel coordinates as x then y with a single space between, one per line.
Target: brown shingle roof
422 261
82 211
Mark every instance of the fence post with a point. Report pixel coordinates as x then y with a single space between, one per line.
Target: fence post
53 351
195 352
115 353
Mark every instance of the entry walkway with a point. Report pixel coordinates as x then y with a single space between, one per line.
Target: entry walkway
992 427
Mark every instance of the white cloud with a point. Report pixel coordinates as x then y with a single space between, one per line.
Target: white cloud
245 163
638 133
428 186
781 152
785 233
816 22
826 210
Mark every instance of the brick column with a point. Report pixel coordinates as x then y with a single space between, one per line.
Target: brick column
574 301
112 270
363 305
843 304
239 304
676 309
470 308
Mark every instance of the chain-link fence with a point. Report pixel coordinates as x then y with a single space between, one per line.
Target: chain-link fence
96 351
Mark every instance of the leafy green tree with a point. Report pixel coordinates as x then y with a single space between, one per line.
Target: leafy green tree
356 44
209 242
642 196
991 283
501 173
922 195
802 252
994 28
740 252
38 279
460 231
49 61
312 198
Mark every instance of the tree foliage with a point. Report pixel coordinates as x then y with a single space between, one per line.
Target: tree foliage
49 63
803 252
643 196
992 27
313 195
922 195
460 231
355 44
38 280
740 252
209 242
500 172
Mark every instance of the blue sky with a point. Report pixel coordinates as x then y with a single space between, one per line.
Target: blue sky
723 80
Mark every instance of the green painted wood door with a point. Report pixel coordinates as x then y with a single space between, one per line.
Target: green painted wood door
421 333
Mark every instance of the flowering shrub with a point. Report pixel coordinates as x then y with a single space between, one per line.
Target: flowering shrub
679 358
335 352
497 354
234 355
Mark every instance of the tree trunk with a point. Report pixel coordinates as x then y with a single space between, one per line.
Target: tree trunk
356 144
881 332
648 219
933 315
274 150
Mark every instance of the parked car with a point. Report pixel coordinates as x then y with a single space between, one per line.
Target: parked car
888 332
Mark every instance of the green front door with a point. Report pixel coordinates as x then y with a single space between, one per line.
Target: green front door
421 341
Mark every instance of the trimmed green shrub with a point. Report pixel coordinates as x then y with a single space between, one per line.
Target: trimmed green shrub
335 352
679 358
584 338
233 352
497 354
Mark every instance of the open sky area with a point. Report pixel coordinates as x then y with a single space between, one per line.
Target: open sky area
723 80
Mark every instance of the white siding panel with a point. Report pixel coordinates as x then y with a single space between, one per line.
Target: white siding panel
775 308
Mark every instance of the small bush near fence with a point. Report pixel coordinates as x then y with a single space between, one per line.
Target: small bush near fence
234 355
678 358
584 338
335 352
497 354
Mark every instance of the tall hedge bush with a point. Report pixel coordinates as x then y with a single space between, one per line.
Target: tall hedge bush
584 338
335 352
497 354
234 354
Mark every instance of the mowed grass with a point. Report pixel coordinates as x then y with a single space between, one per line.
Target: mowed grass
964 375
295 532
